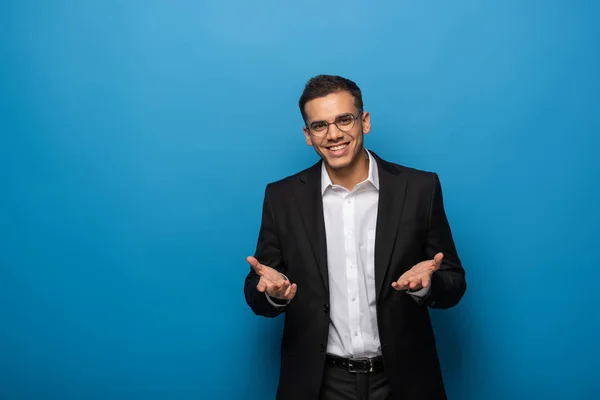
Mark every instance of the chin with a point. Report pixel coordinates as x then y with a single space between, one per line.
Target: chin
336 163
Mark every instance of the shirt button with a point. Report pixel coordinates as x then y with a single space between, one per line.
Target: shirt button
355 333
322 348
351 266
349 233
354 299
349 201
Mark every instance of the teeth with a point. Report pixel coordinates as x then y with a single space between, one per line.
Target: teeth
339 147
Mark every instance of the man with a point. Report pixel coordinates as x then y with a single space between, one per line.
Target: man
353 250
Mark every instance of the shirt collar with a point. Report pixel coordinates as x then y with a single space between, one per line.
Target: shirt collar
373 176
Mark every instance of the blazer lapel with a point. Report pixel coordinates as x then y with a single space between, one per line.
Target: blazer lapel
310 203
392 192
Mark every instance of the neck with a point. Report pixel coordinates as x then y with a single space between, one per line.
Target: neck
351 175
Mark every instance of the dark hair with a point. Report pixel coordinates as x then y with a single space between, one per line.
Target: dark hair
323 85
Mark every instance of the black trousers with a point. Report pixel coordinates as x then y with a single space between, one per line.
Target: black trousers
340 384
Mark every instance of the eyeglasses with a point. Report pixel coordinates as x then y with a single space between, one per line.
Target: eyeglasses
344 122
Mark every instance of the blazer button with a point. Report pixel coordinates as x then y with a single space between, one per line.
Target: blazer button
326 308
322 348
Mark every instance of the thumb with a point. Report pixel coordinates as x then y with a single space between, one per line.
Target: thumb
438 260
255 264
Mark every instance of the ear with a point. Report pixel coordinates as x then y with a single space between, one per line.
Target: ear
366 122
307 136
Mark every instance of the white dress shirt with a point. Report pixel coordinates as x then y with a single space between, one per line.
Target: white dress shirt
350 222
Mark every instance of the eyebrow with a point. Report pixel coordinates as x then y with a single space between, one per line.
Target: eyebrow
337 116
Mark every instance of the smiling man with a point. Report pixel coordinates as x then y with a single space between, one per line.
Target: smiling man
354 250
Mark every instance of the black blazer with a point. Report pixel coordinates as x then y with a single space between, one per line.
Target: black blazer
411 227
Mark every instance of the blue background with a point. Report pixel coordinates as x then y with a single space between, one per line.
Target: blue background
137 138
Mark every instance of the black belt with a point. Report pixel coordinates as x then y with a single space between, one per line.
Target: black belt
363 365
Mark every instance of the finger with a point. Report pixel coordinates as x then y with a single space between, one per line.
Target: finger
438 260
255 264
262 286
274 288
290 292
287 291
293 290
284 292
278 289
400 285
415 284
283 288
425 281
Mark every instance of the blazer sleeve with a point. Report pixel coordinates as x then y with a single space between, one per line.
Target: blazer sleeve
448 283
268 252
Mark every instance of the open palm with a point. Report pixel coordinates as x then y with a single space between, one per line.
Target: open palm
272 281
419 276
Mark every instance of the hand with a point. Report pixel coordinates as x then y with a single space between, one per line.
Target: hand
271 281
419 276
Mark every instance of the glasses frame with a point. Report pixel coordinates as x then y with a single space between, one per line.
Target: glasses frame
335 122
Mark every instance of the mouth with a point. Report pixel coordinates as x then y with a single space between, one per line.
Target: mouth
338 150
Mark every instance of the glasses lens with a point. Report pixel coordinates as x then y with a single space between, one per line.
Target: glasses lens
318 127
345 121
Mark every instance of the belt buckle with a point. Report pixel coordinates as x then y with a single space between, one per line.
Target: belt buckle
352 369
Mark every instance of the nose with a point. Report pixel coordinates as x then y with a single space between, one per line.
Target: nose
334 133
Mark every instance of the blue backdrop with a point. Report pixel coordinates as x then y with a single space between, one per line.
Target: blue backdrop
137 138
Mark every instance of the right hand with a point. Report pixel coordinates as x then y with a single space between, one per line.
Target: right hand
271 281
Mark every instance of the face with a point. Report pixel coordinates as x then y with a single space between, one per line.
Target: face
339 148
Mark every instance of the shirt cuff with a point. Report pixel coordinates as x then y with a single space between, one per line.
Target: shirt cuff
419 294
277 305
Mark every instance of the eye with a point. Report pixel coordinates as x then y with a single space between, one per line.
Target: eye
345 119
318 126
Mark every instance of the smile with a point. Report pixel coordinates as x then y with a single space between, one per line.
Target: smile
338 147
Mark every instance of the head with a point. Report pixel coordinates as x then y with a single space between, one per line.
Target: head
334 120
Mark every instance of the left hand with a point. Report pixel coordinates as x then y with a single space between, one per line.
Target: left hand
419 276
